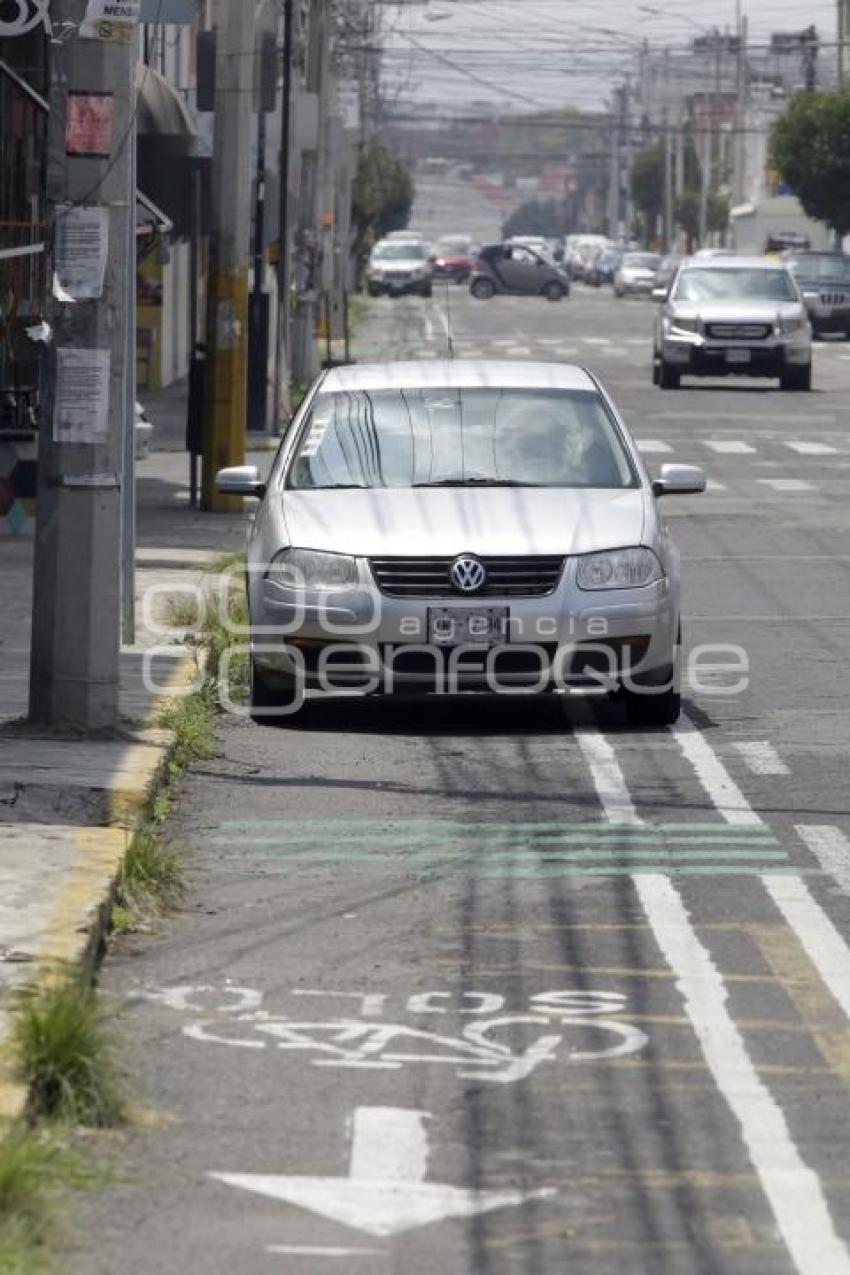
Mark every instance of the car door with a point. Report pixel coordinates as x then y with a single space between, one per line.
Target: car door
524 271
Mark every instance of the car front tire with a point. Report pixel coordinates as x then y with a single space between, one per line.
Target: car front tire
265 699
663 708
797 378
482 289
554 291
669 378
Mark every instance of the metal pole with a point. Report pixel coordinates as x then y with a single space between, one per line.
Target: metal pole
76 634
304 355
258 353
668 186
225 405
128 487
284 265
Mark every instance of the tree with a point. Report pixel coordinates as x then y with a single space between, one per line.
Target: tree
810 148
647 178
536 217
686 212
382 196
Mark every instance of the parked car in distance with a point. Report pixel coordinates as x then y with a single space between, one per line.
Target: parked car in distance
508 539
398 266
605 267
453 257
824 280
636 275
733 316
513 269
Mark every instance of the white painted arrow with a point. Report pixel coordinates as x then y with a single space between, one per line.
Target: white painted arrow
385 1193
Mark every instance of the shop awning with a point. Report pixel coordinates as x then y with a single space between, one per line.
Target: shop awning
162 111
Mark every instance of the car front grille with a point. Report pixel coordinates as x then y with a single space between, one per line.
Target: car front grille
834 298
738 331
520 577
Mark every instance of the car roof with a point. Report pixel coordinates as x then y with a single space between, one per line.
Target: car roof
733 263
512 374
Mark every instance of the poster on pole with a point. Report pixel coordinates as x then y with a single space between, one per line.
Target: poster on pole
82 251
88 125
81 408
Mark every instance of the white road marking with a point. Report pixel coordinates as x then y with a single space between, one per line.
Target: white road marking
386 1140
389 1143
792 1188
787 484
713 485
813 449
729 447
652 445
762 758
296 1250
823 944
518 351
596 340
607 776
831 849
721 788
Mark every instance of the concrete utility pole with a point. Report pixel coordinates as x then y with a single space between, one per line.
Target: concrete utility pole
227 314
304 357
74 669
284 262
843 38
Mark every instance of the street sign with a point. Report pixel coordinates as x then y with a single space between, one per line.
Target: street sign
385 1193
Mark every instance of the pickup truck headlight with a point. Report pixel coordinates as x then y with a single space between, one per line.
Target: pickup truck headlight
619 569
796 324
685 325
309 569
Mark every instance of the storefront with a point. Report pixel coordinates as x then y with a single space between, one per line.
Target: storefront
23 126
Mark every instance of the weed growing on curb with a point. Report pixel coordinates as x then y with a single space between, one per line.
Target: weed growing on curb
192 719
152 875
65 1053
37 1169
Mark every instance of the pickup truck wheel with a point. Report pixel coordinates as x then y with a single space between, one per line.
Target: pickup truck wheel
797 378
669 378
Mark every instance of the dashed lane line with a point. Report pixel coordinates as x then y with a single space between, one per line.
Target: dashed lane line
812 449
651 446
762 758
788 485
729 447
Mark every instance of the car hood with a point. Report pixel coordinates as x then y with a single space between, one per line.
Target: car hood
735 311
443 522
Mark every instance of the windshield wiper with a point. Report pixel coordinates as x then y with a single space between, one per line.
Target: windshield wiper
477 482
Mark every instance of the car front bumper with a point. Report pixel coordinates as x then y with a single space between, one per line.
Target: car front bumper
698 356
368 640
398 287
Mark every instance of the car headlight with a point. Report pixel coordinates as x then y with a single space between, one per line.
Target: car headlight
796 324
685 325
311 569
811 296
619 569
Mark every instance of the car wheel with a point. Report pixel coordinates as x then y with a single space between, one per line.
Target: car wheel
618 292
482 289
265 699
427 292
373 292
656 371
847 335
669 378
659 708
797 378
554 291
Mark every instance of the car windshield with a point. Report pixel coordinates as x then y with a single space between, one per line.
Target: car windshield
459 245
399 251
642 260
820 267
744 284
460 437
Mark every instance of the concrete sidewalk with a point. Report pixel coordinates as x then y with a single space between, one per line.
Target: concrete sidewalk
68 805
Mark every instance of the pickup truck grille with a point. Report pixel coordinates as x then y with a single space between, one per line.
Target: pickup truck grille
834 298
738 331
526 577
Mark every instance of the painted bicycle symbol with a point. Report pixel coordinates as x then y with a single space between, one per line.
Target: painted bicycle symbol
496 1046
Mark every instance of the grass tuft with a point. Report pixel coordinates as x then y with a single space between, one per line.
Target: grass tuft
182 611
152 875
65 1053
192 718
37 1169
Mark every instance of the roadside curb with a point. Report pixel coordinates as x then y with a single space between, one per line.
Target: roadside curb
74 930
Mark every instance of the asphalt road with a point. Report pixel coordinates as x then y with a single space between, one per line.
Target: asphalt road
492 986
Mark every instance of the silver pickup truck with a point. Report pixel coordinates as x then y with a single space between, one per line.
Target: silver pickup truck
824 280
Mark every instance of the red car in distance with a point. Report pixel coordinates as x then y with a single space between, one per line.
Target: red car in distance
453 258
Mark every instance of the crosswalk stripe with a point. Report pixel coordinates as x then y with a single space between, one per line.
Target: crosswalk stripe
812 449
787 484
729 447
762 758
650 446
831 849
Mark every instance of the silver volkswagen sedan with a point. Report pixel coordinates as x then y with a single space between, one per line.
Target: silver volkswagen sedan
454 526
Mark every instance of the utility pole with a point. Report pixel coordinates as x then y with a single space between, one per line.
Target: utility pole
668 185
226 399
284 261
304 361
843 38
76 636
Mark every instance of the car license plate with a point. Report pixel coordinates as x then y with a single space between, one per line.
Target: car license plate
739 356
465 626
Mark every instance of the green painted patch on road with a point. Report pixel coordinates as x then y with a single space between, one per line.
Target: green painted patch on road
490 848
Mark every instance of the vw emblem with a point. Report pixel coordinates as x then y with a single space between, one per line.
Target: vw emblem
468 575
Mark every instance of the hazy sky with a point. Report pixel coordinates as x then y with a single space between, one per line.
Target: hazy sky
553 52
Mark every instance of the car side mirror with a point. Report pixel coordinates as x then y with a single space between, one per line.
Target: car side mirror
679 480
240 480
660 294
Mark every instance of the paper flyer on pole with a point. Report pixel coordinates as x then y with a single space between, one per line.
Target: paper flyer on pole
81 409
82 251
